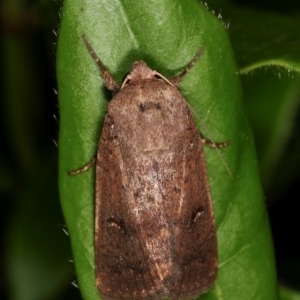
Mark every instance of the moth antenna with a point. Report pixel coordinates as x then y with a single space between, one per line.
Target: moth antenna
109 81
176 80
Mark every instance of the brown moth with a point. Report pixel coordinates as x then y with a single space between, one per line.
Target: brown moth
155 235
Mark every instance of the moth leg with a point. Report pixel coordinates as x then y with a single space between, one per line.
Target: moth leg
109 81
176 80
212 144
84 168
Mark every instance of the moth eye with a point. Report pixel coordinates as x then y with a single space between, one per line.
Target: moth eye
197 215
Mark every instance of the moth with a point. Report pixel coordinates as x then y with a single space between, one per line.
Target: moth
155 234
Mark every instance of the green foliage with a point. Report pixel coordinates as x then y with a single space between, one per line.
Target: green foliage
288 294
266 45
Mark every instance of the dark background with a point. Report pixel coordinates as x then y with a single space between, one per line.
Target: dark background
35 251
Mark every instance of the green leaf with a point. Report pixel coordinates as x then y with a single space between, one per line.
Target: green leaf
272 40
166 34
289 294
272 103
267 51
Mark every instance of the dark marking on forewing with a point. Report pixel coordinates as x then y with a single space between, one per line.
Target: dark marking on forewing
146 106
